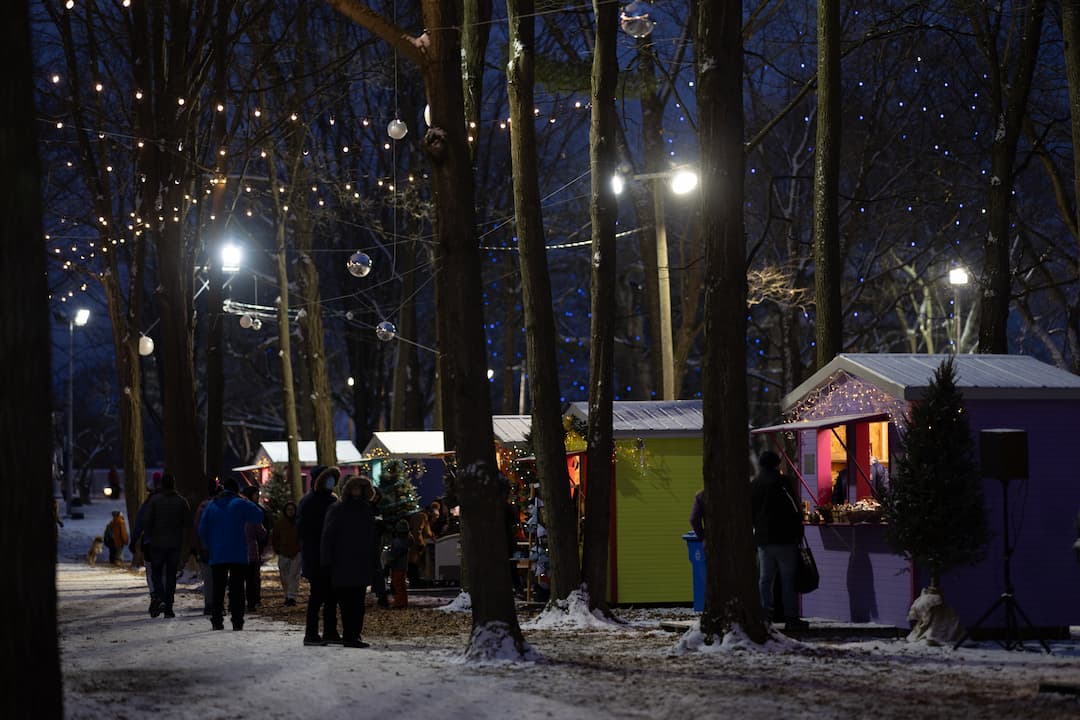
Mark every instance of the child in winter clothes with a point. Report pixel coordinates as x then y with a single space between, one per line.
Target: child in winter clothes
285 540
399 563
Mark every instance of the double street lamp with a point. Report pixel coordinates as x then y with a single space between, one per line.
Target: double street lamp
80 318
681 181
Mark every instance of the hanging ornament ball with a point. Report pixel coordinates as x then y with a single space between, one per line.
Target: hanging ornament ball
427 115
397 129
359 264
146 345
635 21
386 331
256 324
246 320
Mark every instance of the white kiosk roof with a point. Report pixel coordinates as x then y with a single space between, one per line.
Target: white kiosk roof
405 444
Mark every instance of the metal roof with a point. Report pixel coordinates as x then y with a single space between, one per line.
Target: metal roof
510 429
650 418
979 377
406 444
278 452
821 423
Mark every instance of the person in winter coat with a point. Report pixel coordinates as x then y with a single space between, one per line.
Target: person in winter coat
420 535
348 538
165 522
221 530
311 515
285 541
116 537
778 529
202 552
140 541
399 562
256 540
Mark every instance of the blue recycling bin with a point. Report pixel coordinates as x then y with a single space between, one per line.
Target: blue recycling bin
696 551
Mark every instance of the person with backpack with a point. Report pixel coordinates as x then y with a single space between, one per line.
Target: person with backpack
778 529
115 537
165 522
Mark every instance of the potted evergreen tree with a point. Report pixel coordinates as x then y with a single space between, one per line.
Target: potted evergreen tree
934 505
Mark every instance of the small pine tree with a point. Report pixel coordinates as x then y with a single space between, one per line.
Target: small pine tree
278 492
398 495
934 507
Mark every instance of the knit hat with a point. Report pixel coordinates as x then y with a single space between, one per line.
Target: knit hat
321 473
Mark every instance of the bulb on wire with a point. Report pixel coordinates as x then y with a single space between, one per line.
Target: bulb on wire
256 324
635 21
146 345
359 264
385 331
397 129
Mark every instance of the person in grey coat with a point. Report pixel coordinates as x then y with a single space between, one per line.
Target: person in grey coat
348 540
164 524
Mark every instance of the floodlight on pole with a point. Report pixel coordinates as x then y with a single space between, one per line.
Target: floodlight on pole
683 181
958 277
80 318
82 315
231 257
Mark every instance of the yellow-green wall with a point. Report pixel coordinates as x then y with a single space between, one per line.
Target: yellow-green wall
652 511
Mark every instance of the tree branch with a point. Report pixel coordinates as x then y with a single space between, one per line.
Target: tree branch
408 45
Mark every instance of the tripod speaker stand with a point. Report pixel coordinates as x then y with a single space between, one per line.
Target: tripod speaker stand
1004 456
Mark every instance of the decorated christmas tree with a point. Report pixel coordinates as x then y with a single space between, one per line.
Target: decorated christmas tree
934 506
399 499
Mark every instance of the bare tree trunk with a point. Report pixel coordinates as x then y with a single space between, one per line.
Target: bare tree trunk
547 429
285 350
731 596
1070 29
475 31
652 133
600 468
1009 91
31 686
828 267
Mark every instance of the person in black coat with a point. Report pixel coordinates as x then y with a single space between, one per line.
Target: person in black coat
165 521
348 541
310 517
778 529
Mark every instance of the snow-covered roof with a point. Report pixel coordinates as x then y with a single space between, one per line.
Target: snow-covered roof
405 444
979 377
277 452
650 418
511 428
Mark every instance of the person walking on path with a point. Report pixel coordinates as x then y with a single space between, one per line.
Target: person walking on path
202 552
166 519
348 539
140 541
285 541
778 529
256 540
221 529
116 537
311 516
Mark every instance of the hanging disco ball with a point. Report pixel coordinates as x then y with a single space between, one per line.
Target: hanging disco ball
397 129
359 264
246 320
146 345
635 21
385 331
256 324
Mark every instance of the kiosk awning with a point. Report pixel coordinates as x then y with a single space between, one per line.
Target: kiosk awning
822 423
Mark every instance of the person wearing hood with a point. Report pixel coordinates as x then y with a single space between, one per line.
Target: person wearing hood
221 530
346 548
166 519
311 516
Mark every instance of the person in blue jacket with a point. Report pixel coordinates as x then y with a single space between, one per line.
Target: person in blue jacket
221 530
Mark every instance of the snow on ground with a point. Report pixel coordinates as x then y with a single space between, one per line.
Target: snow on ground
120 663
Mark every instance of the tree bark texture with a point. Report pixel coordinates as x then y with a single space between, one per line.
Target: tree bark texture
547 428
600 468
1008 92
731 596
828 265
31 685
652 135
475 32
285 352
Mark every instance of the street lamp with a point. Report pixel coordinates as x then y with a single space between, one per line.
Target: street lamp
681 181
958 277
231 257
82 315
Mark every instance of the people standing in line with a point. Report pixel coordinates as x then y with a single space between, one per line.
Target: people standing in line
420 535
256 540
399 563
221 529
165 522
285 542
311 516
202 552
348 539
778 529
140 541
116 537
